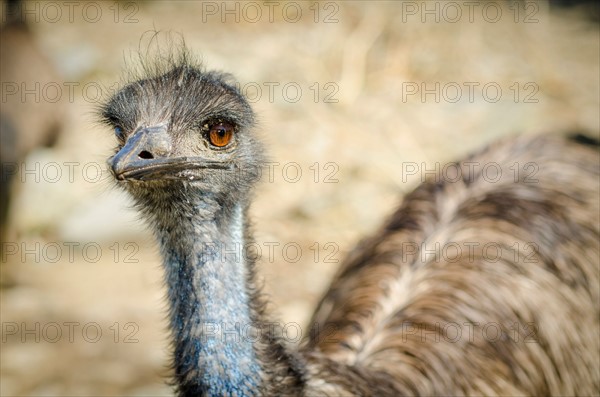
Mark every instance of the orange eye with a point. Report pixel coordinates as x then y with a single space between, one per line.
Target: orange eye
220 134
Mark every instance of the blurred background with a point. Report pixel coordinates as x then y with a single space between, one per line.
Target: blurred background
347 94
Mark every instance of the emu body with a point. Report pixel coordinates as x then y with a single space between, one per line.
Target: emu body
384 327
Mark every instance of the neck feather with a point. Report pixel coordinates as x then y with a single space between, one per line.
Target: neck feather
221 347
210 312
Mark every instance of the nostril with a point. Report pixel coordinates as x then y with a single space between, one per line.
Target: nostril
145 155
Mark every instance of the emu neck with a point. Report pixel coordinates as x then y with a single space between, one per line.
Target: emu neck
210 312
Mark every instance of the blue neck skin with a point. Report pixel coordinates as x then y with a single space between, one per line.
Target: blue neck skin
210 315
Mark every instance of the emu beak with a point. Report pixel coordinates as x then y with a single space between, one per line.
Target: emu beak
146 156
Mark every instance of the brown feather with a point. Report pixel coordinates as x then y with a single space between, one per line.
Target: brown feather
465 318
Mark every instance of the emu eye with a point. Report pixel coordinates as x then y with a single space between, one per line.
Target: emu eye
119 133
220 134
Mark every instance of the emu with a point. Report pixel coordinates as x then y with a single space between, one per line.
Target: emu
24 124
519 319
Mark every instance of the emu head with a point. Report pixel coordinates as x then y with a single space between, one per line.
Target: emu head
181 129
